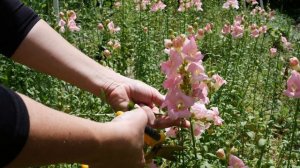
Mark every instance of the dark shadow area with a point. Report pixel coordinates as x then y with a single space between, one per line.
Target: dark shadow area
289 7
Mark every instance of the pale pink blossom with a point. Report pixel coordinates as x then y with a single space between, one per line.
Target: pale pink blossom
141 4
168 43
253 2
200 34
116 45
208 27
263 29
218 81
197 71
61 24
273 51
198 5
226 29
106 53
171 132
100 26
172 82
178 104
235 162
199 128
112 28
237 31
170 67
184 5
117 4
271 15
287 45
158 6
293 85
255 33
72 25
190 50
200 91
231 4
213 115
294 61
178 41
72 15
238 20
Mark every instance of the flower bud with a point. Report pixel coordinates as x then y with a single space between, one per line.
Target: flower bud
233 150
190 29
294 63
61 15
106 53
168 43
100 26
110 43
145 29
221 154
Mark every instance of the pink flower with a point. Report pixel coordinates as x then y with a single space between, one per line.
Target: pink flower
141 4
253 2
238 20
208 27
263 29
213 115
235 162
117 4
112 28
198 5
226 29
158 6
294 62
272 15
72 15
72 25
200 91
237 31
168 43
293 85
178 104
61 24
170 67
171 132
221 154
199 128
273 51
200 34
287 45
100 26
231 4
197 71
218 81
116 45
190 50
255 33
172 82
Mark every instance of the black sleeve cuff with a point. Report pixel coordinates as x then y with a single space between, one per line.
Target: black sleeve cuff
16 22
14 125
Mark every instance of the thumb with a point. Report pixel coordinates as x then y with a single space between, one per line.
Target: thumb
139 117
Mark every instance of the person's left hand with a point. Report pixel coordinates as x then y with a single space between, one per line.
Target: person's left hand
120 94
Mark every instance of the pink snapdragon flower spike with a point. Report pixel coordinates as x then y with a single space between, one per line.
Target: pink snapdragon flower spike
171 132
255 33
231 4
158 6
197 71
235 162
111 27
273 51
237 31
200 92
186 4
293 85
208 27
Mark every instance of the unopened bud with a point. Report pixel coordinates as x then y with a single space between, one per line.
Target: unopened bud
221 154
100 26
145 29
233 150
106 53
294 63
190 29
168 43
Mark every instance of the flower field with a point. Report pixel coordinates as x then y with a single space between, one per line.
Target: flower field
230 67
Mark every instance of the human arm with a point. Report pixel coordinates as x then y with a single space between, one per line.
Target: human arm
56 137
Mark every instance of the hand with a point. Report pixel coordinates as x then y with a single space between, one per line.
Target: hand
120 93
126 148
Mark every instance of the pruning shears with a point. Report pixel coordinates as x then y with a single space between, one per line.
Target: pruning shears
154 146
155 141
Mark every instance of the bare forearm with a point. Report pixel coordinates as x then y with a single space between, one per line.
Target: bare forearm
45 50
55 137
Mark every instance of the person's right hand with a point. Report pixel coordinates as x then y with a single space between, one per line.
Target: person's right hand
125 149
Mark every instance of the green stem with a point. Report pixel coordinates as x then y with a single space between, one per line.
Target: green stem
194 143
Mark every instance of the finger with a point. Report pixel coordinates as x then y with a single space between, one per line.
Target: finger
165 122
150 114
138 116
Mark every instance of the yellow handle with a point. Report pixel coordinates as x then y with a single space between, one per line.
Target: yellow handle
84 166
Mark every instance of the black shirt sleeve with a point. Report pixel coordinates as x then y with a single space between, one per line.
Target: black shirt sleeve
16 21
14 125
